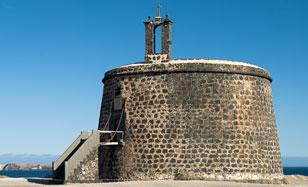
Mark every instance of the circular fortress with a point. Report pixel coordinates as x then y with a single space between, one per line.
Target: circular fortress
190 119
179 119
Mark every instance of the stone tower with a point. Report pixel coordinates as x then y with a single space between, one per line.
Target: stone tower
150 38
180 119
191 119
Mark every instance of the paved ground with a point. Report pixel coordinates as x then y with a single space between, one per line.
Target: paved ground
294 180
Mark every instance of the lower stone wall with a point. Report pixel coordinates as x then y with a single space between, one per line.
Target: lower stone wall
209 126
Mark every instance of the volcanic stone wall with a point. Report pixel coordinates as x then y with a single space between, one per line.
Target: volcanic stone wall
192 119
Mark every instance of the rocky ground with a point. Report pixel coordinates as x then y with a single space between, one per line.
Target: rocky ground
294 181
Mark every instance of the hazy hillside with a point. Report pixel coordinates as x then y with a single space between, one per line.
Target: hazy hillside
27 158
17 166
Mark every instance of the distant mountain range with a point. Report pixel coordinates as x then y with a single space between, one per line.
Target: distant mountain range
27 158
47 159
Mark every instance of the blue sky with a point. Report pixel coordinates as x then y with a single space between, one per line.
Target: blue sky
53 55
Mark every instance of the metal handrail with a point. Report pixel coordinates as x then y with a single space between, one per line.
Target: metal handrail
119 123
105 126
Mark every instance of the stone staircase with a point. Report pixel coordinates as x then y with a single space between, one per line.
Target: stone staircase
58 165
82 154
84 150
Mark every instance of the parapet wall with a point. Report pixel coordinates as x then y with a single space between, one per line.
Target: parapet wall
178 66
193 119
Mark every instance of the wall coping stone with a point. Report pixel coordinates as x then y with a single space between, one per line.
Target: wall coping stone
189 66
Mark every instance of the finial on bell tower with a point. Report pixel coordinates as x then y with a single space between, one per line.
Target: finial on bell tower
158 18
158 10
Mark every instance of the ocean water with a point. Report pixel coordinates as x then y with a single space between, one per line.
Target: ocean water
26 173
295 171
47 173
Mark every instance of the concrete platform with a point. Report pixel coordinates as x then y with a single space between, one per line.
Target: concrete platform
294 181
